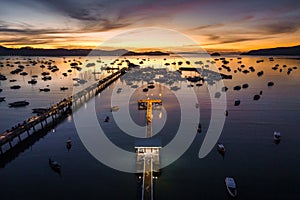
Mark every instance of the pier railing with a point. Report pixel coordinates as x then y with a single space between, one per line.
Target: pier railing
55 112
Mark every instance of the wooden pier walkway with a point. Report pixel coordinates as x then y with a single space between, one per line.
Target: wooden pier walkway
31 126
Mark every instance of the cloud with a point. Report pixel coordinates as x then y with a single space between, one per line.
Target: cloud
279 27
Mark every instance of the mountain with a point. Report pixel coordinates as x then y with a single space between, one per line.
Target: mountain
150 53
287 51
28 51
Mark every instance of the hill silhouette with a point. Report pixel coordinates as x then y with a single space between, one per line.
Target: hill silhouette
288 51
29 51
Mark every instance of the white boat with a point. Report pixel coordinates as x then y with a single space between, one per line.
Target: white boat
114 108
221 148
231 186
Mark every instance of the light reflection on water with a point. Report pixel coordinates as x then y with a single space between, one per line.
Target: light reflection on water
251 157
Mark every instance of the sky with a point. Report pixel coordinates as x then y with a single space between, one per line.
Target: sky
215 25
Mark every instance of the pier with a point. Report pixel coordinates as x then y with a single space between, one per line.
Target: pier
148 151
62 109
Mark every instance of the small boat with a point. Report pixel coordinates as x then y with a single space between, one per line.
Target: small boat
270 84
199 129
114 108
221 148
106 119
2 99
69 144
231 186
55 166
256 97
64 88
226 113
18 104
277 137
119 90
217 95
44 89
45 78
15 87
32 81
260 73
244 86
151 86
237 87
237 102
23 73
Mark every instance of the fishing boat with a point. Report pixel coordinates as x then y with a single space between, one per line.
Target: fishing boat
18 104
231 186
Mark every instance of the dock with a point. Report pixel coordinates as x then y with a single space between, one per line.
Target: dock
148 151
20 132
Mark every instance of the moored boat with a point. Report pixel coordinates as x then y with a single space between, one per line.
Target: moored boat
55 166
15 87
69 144
277 137
114 108
18 104
221 148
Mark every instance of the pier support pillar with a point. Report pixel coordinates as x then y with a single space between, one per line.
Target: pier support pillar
28 133
19 138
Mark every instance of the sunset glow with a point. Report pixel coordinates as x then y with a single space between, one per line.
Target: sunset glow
214 25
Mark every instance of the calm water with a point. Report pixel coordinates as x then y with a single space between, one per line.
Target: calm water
261 169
